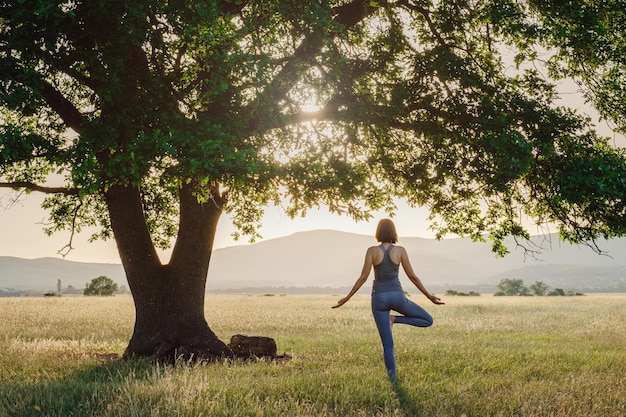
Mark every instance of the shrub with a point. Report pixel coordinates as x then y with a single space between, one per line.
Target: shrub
100 286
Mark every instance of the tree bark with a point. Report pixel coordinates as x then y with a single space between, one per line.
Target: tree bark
169 299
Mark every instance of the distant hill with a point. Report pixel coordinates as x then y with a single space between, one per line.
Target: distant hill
43 273
333 259
327 258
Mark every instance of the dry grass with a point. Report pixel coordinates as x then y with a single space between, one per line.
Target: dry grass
485 356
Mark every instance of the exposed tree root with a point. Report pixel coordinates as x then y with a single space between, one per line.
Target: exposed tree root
241 347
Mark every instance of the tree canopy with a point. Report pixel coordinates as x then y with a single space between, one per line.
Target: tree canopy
590 42
345 104
512 286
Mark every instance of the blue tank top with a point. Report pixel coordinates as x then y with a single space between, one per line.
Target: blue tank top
386 274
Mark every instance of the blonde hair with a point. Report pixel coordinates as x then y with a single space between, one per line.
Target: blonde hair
386 231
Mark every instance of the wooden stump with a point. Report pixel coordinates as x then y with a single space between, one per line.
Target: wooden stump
252 346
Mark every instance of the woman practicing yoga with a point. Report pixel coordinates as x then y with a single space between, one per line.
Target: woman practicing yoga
387 293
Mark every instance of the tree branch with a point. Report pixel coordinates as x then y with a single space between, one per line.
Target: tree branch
62 106
42 189
426 14
196 227
352 13
347 15
232 7
65 250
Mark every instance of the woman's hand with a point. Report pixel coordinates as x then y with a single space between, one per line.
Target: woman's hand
435 300
341 302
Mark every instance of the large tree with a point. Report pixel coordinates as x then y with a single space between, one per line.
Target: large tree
159 115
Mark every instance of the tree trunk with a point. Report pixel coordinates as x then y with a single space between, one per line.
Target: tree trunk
169 299
169 321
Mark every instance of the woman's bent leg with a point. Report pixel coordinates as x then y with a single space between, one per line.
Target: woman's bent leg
412 313
380 310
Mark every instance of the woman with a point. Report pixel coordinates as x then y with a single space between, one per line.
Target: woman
387 293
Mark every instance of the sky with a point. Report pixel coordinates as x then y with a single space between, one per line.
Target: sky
23 236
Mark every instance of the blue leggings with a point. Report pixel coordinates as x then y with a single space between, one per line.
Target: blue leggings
412 314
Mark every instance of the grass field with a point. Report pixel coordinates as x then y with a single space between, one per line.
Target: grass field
485 356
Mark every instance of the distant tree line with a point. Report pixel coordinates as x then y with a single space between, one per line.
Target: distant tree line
100 286
462 294
515 286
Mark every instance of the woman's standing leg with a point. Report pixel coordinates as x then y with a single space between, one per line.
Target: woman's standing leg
380 310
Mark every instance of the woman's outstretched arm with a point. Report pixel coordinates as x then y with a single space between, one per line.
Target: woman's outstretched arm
408 269
367 267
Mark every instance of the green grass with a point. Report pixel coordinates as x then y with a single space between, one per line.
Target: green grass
485 356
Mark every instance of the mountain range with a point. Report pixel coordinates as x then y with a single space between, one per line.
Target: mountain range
327 259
